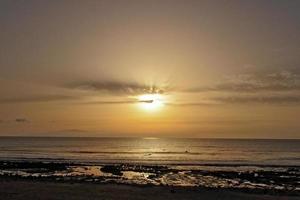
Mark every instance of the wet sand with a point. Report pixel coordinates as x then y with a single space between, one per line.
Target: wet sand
255 179
11 189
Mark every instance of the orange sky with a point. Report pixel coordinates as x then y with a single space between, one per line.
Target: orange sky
226 69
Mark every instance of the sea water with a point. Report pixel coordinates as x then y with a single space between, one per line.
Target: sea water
178 151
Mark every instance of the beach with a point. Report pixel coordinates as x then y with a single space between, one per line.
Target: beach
50 180
26 189
136 168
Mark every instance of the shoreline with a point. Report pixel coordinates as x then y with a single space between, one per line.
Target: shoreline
135 162
260 181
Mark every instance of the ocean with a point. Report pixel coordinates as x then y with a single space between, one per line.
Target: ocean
153 150
272 165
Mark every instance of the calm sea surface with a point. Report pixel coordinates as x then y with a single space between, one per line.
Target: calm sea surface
153 151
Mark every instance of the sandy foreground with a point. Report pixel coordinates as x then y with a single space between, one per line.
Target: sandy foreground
22 189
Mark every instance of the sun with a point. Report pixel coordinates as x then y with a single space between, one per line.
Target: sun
151 102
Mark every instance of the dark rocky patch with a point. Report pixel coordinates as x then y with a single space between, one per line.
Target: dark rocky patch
113 169
33 167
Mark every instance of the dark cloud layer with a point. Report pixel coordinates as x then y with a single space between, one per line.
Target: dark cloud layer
266 87
240 99
260 99
248 87
121 102
256 82
115 87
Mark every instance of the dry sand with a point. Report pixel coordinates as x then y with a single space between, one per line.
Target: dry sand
30 190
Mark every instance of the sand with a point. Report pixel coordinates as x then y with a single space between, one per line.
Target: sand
31 190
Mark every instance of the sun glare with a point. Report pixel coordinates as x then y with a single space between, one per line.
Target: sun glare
150 102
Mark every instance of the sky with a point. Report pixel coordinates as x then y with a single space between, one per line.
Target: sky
207 69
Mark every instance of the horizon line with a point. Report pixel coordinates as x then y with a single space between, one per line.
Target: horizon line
145 137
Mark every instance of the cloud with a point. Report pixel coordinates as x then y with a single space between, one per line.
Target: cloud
42 98
21 120
260 99
281 81
264 87
116 87
241 99
261 87
120 102
247 87
112 87
192 104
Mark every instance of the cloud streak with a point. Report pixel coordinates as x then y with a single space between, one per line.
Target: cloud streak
120 102
191 104
116 87
265 87
34 99
259 99
21 120
282 81
217 101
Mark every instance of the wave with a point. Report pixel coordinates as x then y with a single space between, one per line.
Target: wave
151 162
140 152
